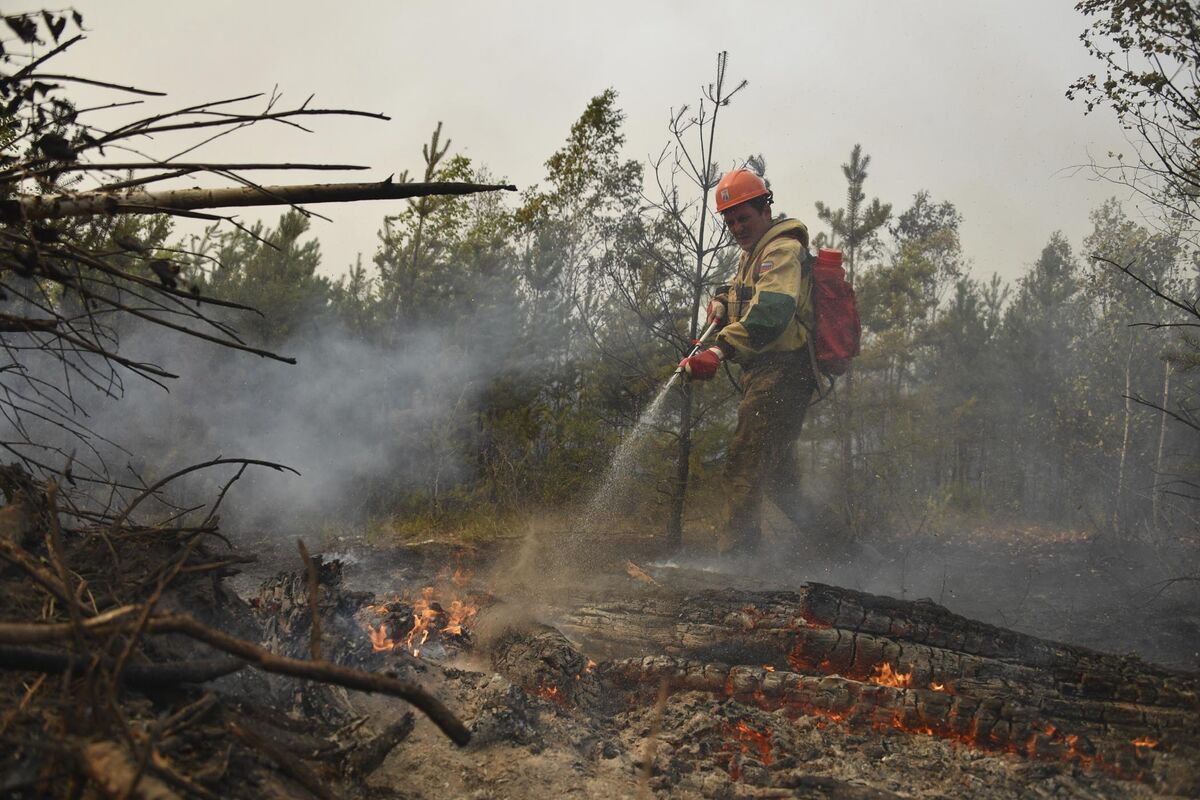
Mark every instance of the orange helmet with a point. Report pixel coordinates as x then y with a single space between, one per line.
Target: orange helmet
738 187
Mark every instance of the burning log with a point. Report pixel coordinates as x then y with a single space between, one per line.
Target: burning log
884 664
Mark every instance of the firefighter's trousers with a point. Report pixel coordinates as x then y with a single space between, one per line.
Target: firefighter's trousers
762 458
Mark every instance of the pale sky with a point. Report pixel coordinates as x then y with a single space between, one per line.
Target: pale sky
965 99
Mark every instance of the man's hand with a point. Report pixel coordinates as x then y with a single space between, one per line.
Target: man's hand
716 309
703 366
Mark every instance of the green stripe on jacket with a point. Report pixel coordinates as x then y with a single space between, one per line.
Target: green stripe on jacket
768 318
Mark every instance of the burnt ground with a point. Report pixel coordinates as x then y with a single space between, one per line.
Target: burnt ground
1063 586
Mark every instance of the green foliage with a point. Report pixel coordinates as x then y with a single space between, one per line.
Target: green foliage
1149 53
854 227
971 397
273 271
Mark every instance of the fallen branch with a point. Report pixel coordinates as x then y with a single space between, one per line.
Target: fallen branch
367 758
88 204
259 657
289 764
142 676
322 671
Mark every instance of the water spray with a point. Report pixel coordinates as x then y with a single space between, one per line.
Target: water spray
603 507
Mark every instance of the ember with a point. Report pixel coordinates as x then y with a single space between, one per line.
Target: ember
550 693
753 739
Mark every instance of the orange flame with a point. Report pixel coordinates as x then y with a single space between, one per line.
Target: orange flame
886 676
1145 741
380 640
429 617
937 687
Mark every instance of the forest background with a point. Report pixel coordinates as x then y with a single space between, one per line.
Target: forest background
534 334
479 369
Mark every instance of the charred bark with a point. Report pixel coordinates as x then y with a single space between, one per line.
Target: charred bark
543 662
888 664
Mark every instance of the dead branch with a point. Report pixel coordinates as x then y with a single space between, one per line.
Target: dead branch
142 676
59 206
291 766
367 758
153 489
321 671
45 633
313 600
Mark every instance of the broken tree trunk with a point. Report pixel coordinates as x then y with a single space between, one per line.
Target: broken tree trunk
87 204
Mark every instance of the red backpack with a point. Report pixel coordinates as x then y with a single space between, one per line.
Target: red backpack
836 328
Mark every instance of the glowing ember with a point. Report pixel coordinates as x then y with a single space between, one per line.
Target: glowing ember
1145 742
886 676
937 687
750 739
550 693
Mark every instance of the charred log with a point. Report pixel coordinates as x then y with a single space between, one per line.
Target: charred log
541 661
883 664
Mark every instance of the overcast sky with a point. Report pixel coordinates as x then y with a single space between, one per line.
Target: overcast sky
964 99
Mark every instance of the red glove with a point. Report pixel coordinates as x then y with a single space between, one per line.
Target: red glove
703 366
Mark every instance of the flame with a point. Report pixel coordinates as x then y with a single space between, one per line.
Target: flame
429 617
886 676
1045 742
379 638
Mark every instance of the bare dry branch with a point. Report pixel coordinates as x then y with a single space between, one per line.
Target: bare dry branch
43 207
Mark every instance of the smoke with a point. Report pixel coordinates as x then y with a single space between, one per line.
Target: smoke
356 420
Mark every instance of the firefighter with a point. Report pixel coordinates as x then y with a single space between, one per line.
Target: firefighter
765 314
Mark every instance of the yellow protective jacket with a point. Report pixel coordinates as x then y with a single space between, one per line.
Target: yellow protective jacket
770 301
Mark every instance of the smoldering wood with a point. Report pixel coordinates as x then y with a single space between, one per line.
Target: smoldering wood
542 661
289 764
367 758
822 651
